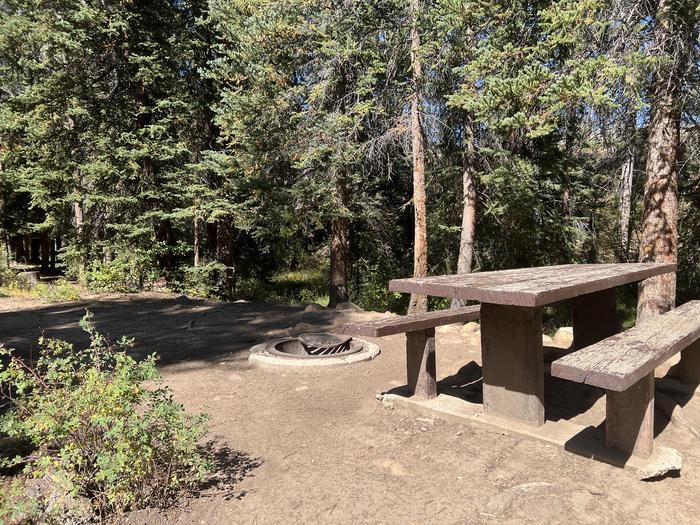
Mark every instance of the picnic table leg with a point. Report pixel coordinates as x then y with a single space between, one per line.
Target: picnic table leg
629 419
512 360
688 368
420 363
594 317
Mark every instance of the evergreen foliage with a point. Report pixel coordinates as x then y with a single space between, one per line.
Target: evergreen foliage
217 143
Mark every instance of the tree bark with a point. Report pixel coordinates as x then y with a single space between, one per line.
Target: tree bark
225 255
340 253
210 229
78 219
197 241
418 303
45 252
659 239
625 206
466 243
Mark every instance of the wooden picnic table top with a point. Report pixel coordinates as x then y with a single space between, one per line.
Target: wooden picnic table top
531 286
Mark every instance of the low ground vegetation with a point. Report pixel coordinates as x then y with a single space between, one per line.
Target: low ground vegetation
97 428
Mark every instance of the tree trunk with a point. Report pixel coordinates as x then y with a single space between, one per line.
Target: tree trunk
20 253
166 260
197 241
418 303
78 222
625 206
8 249
659 239
78 216
225 256
466 242
54 252
45 252
340 253
210 229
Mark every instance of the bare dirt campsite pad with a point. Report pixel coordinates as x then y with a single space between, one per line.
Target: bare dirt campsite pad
316 446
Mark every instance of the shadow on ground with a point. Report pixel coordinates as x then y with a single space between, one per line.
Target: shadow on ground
178 329
229 468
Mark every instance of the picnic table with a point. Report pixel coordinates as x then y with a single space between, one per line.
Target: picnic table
511 321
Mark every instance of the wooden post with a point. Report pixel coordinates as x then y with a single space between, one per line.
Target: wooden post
512 360
594 317
688 368
629 421
420 363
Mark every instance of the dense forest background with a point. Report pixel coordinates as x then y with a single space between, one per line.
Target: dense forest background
293 149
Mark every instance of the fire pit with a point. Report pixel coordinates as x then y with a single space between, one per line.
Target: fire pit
313 349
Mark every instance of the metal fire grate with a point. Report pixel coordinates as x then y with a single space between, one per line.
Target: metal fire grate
324 344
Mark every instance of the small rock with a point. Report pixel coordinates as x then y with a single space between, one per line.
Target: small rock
387 403
183 299
663 461
564 337
348 306
314 307
54 495
596 491
424 429
390 314
396 468
471 328
300 328
499 504
240 301
29 278
547 340
301 388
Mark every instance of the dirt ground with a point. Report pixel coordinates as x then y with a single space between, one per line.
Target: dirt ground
316 446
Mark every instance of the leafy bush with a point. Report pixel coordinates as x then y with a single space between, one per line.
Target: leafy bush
13 286
201 281
119 275
91 417
59 291
7 276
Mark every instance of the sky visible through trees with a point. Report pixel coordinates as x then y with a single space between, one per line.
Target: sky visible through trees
218 144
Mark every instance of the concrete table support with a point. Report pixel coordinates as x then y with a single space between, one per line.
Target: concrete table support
513 366
420 363
594 317
688 368
629 418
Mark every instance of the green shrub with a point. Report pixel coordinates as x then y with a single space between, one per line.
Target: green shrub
201 281
103 420
16 507
56 292
7 276
118 275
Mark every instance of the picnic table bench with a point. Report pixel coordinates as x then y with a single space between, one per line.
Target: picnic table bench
420 341
624 365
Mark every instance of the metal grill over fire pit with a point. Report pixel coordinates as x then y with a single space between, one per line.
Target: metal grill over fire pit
317 345
313 349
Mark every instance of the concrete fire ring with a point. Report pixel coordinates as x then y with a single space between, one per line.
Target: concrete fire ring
265 355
